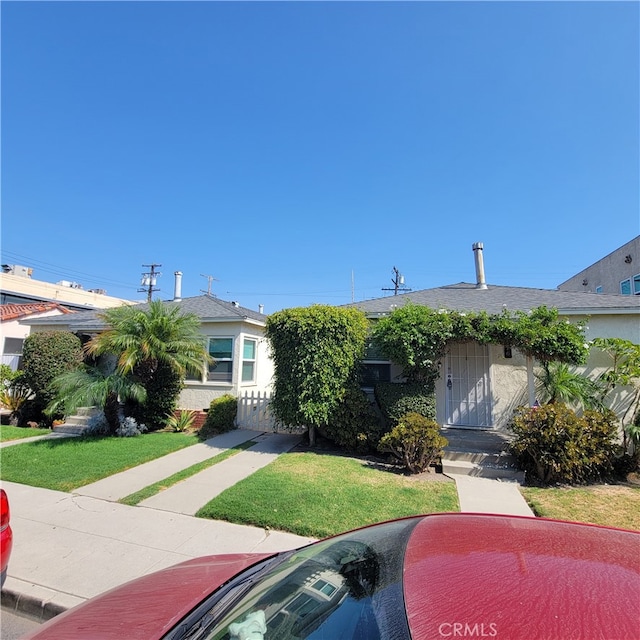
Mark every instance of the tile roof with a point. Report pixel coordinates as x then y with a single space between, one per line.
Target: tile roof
494 299
18 311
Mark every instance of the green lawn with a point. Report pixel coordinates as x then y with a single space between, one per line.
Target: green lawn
7 432
73 462
320 495
137 497
610 505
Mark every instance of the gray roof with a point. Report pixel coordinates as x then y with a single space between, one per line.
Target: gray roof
494 299
207 308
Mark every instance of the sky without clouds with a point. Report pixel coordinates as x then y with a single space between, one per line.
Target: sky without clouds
298 151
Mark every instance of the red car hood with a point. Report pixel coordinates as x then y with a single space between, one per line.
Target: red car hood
510 577
147 607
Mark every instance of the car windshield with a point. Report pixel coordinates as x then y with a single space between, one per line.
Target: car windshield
345 588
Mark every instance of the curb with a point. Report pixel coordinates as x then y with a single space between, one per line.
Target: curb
38 603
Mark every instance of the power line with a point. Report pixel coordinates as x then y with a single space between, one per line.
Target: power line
61 270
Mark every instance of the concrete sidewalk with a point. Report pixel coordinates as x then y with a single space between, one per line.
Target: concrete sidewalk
70 547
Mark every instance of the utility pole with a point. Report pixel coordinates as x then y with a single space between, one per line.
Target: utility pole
398 283
149 280
210 279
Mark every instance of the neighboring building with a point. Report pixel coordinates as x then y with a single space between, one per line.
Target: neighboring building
618 273
18 287
14 333
235 338
480 385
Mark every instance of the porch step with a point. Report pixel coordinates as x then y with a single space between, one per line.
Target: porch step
78 423
481 454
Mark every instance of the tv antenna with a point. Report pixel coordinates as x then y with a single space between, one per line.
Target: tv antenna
210 279
398 283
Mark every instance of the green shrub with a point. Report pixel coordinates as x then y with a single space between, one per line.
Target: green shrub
355 425
221 416
553 444
163 391
45 356
397 399
415 442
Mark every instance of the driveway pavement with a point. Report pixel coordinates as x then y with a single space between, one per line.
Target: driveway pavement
71 546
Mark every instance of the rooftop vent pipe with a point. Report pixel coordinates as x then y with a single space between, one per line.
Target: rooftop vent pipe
260 308
477 250
177 292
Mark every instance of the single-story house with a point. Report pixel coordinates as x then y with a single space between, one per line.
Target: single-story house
235 339
14 331
480 386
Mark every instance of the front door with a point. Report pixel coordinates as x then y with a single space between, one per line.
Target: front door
468 388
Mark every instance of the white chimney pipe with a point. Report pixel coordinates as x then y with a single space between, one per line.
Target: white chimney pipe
177 292
260 308
477 250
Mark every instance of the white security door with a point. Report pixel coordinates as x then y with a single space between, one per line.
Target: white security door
468 389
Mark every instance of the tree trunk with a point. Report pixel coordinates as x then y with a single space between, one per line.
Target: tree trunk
112 412
312 436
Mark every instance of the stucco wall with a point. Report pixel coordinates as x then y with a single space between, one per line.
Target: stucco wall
198 395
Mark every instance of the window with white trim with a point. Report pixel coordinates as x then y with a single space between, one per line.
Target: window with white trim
625 287
636 285
221 350
249 349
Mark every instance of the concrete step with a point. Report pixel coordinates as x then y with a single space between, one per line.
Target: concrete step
496 472
78 423
72 429
479 453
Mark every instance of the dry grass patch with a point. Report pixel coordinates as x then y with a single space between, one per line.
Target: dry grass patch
609 505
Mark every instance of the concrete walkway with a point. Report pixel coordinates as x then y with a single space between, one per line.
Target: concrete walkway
70 547
127 482
485 495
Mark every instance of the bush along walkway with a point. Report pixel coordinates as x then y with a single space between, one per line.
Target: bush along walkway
187 496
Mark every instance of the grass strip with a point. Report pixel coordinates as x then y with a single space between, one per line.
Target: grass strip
9 432
609 505
137 497
320 495
65 464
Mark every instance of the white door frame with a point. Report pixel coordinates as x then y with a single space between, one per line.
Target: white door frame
468 386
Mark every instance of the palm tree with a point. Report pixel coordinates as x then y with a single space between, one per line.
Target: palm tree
152 343
91 386
557 383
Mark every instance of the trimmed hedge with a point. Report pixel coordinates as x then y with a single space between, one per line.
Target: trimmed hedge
355 425
397 399
221 417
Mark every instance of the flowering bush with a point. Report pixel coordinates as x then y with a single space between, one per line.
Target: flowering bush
129 428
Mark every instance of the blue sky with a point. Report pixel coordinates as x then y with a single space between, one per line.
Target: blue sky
298 151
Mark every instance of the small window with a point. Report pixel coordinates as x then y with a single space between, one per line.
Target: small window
599 289
636 285
625 287
374 372
248 360
13 346
221 350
